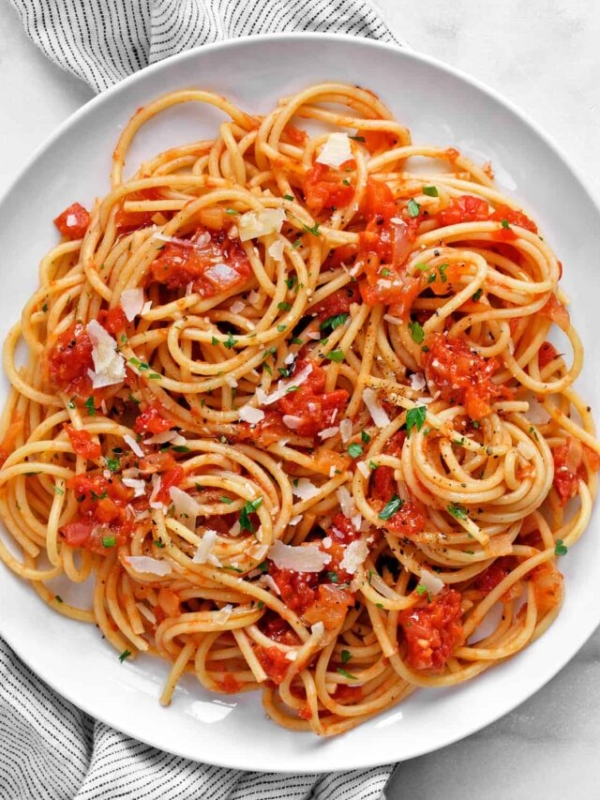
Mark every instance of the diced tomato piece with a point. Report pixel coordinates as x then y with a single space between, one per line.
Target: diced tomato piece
77 532
127 221
278 629
465 208
313 408
212 263
409 521
73 222
546 354
325 190
274 662
555 311
433 630
348 695
298 589
378 201
268 431
172 477
152 421
228 684
294 134
401 293
493 575
69 360
157 462
568 461
376 141
514 217
82 442
113 320
383 484
461 375
337 303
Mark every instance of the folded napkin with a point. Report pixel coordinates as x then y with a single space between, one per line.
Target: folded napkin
48 748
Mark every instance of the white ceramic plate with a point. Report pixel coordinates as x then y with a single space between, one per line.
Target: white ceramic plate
440 107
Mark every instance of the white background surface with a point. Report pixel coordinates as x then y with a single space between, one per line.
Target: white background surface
544 57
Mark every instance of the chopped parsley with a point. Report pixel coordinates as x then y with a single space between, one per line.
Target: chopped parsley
415 418
284 306
125 654
430 191
457 511
281 328
333 577
355 450
347 674
231 568
560 548
58 490
229 342
109 541
390 508
357 138
331 323
416 331
505 224
365 437
373 465
477 295
113 464
249 508
288 197
89 404
58 598
314 229
226 500
231 211
413 208
336 355
346 656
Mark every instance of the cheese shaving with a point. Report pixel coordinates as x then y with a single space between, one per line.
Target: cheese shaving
250 414
336 150
109 366
376 410
151 566
132 302
305 489
260 223
204 548
305 558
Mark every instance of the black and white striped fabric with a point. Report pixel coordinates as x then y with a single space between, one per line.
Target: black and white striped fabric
103 41
48 748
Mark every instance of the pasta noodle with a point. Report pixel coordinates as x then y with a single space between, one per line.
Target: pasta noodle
289 398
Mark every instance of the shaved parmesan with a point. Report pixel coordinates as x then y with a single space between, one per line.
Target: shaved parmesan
222 274
146 307
327 433
335 151
259 223
318 629
376 410
145 612
237 307
536 413
363 468
253 297
346 429
133 445
138 485
186 508
162 437
346 502
393 320
354 556
109 366
383 283
276 250
152 566
231 381
205 546
431 582
132 302
251 414
223 614
283 387
306 558
292 422
417 381
305 489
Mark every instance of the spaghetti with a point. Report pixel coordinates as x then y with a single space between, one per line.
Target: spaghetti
292 403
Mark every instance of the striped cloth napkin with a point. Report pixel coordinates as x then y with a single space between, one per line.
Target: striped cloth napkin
48 748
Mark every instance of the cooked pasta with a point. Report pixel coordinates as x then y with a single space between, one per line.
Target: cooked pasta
290 399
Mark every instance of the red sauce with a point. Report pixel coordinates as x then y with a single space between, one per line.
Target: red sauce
229 684
555 311
199 263
152 421
298 589
337 303
278 629
461 375
127 221
546 354
274 662
433 630
69 360
465 208
114 320
571 464
493 575
73 222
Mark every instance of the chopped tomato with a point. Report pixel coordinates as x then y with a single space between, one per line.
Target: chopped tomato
294 134
546 354
514 217
73 222
322 189
377 141
571 462
210 261
102 513
402 292
229 685
493 575
330 606
172 477
113 320
82 442
157 462
278 629
555 311
69 360
274 662
348 695
465 208
268 431
378 201
152 421
298 589
7 445
337 303
461 375
409 521
383 484
342 532
313 408
433 630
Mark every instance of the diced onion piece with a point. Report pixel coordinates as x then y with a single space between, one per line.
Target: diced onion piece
336 150
133 445
109 366
376 410
346 429
146 307
354 556
431 582
132 302
305 489
318 630
149 565
305 558
204 548
250 414
536 414
260 223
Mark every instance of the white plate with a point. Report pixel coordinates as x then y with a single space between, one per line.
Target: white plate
440 107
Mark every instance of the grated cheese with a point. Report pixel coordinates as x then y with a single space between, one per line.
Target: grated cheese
132 302
335 151
376 410
253 224
109 366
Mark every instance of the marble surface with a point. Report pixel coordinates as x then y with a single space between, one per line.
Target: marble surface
544 58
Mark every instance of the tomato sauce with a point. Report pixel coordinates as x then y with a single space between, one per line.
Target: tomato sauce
151 420
82 443
69 360
325 190
433 630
